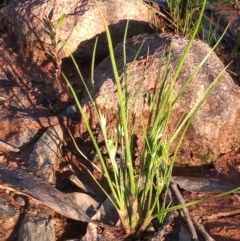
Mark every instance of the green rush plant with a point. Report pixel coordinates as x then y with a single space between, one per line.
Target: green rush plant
184 14
57 43
140 194
209 30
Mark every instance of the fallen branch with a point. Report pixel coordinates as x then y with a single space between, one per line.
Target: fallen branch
160 232
187 217
158 235
222 214
202 230
34 187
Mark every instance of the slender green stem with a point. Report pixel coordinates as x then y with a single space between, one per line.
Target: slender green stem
123 113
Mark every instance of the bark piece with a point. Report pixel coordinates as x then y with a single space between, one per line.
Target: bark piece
202 184
46 193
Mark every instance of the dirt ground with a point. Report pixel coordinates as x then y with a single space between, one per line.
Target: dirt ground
48 97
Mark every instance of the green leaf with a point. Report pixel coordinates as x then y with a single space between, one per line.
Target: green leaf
53 56
60 21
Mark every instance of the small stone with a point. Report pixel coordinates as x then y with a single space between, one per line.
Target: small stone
15 55
184 235
19 200
4 96
37 227
71 110
20 101
24 136
83 202
3 76
9 216
5 35
45 157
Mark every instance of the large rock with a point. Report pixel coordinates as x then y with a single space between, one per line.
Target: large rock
26 20
215 128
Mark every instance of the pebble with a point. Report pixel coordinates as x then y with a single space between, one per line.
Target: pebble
38 226
45 158
9 216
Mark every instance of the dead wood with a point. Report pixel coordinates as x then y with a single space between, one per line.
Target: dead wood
187 217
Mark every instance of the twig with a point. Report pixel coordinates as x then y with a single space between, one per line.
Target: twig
232 73
167 222
202 230
236 196
8 146
222 214
160 232
193 232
